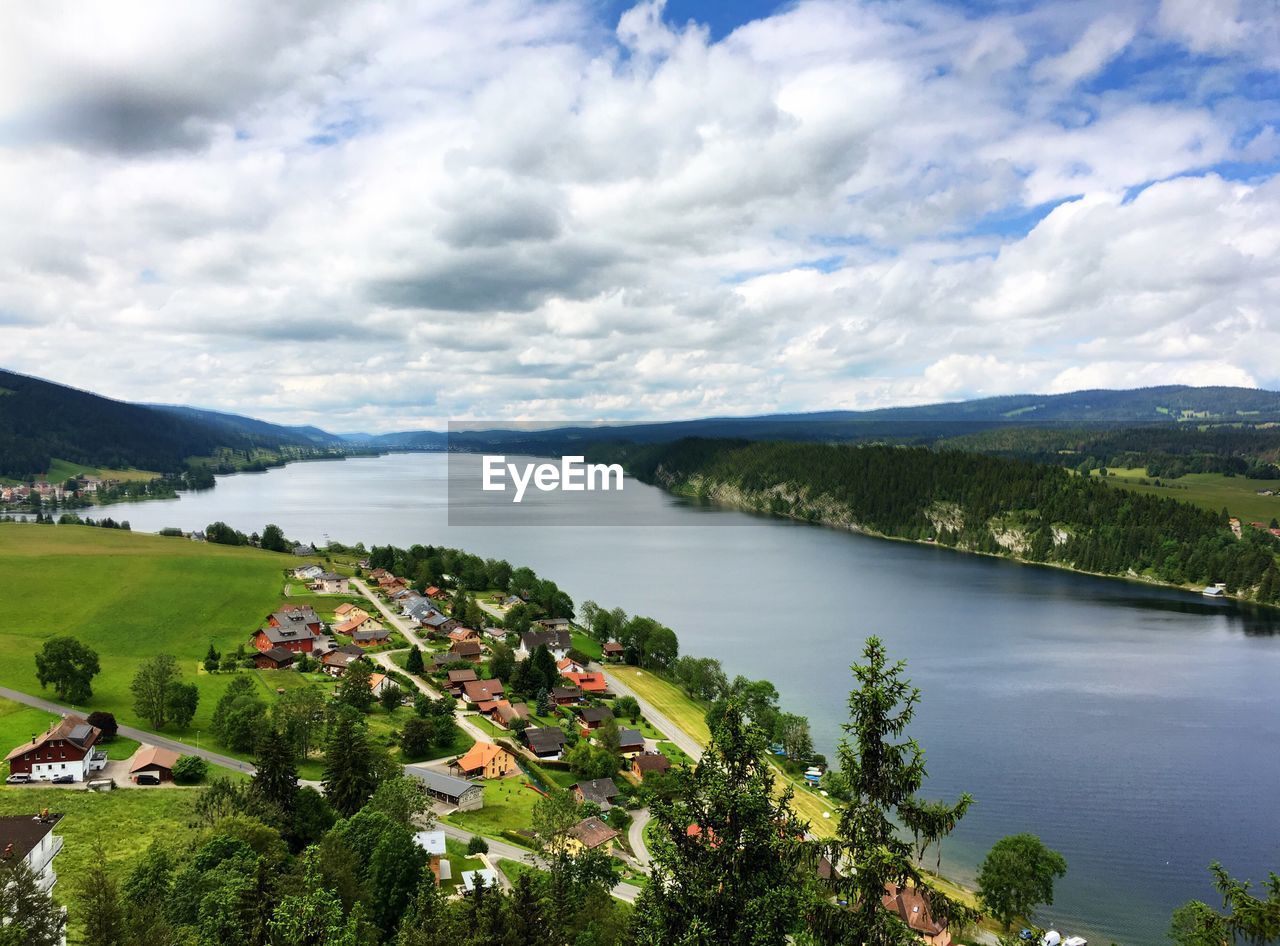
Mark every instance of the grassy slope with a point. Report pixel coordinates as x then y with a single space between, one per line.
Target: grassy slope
162 814
60 470
508 806
1211 491
131 596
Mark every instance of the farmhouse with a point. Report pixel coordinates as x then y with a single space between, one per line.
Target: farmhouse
153 760
32 841
597 791
485 760
649 762
912 908
65 748
613 650
546 742
300 639
558 642
590 834
463 795
479 691
275 658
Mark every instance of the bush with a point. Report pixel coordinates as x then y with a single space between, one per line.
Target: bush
477 845
190 770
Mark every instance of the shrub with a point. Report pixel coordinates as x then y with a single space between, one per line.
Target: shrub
190 770
104 721
477 845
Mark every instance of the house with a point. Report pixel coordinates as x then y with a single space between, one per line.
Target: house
597 791
593 683
554 624
912 907
349 612
630 741
590 834
275 658
379 682
372 637
510 601
299 640
565 696
460 634
613 650
498 634
308 572
444 659
335 663
479 691
431 591
647 763
463 795
569 665
353 624
153 760
303 550
378 574
417 610
558 642
485 760
484 877
591 717
68 747
546 742
457 678
466 650
433 843
437 623
31 840
504 714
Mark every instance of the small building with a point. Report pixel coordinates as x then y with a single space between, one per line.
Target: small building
485 760
371 637
68 747
153 760
466 650
433 842
348 611
481 691
569 665
456 680
379 682
590 834
354 622
458 792
277 658
593 683
591 717
554 624
912 907
308 572
484 877
565 696
597 791
613 650
336 662
459 634
649 762
546 742
32 841
630 741
505 714
558 642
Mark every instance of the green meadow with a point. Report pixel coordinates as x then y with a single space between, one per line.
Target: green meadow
1211 491
131 596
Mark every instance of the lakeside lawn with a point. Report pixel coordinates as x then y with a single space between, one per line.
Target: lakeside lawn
1212 491
127 820
508 806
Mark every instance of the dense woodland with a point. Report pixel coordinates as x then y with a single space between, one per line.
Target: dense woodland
970 501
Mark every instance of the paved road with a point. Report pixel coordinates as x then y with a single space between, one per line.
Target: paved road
635 836
501 850
129 732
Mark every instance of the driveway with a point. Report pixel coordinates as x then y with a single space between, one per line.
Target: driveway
635 836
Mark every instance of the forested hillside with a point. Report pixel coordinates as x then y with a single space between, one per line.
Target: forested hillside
40 420
1033 512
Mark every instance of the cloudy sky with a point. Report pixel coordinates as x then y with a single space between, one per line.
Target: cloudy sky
378 216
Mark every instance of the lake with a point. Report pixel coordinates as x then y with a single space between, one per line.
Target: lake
1135 729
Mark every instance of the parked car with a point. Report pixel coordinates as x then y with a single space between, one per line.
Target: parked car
18 778
64 780
147 778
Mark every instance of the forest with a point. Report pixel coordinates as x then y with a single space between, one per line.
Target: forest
1029 511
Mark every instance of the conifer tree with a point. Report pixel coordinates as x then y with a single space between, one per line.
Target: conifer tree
276 779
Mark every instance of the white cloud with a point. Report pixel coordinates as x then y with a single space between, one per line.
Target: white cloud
376 215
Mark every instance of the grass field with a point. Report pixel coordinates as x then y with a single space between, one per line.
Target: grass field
60 470
1211 491
131 596
456 854
508 806
686 713
127 821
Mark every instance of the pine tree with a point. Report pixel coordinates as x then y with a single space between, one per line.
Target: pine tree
276 779
352 767
884 770
730 865
414 663
100 909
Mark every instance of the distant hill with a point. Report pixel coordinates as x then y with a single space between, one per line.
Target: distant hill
41 420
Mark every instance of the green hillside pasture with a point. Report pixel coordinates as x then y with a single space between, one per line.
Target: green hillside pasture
1213 491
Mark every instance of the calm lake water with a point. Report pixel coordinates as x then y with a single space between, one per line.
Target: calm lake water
1136 730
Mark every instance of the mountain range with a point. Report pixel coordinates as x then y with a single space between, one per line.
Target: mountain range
41 420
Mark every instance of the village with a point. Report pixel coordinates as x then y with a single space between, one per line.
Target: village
536 712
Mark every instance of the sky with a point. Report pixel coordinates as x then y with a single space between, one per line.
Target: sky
377 216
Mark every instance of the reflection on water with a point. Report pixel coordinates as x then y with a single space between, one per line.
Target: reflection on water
1134 728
